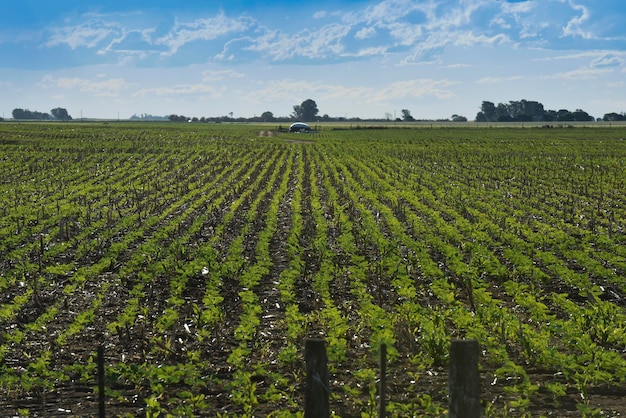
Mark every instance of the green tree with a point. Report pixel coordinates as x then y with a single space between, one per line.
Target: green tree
406 115
60 113
487 112
307 111
267 117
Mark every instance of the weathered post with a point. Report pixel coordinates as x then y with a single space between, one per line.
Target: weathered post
317 395
464 380
383 381
101 412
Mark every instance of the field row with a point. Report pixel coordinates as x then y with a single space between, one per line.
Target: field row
202 258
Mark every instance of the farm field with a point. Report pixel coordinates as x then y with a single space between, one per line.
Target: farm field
201 257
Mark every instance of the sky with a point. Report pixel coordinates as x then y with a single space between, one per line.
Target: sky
367 59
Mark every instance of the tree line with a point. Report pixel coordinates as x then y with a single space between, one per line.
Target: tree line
513 111
58 113
306 112
528 111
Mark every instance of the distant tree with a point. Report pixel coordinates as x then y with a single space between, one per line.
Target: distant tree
406 115
502 113
488 110
614 117
267 117
307 111
549 116
29 114
580 115
526 111
458 118
60 113
564 115
178 118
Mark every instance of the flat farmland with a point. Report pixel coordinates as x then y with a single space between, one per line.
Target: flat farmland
201 256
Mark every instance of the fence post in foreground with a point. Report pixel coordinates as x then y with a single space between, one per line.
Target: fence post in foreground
464 380
317 390
101 412
383 381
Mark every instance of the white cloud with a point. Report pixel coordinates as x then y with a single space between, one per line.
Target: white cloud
365 33
208 76
413 89
181 89
579 74
326 42
293 90
458 65
88 34
102 87
574 26
470 39
202 30
496 80
608 60
368 52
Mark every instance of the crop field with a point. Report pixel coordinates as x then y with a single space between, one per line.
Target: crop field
201 257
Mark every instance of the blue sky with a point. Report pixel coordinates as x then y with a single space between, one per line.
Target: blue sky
354 58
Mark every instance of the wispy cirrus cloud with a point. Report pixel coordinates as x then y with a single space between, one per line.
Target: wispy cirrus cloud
101 86
496 80
206 90
218 75
579 74
89 34
206 29
293 89
412 30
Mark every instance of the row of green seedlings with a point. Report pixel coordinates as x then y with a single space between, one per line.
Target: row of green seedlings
177 262
49 250
242 387
442 288
420 328
90 273
82 318
583 259
567 238
135 323
209 316
468 228
130 326
38 258
301 240
17 336
202 261
377 267
45 273
560 249
541 209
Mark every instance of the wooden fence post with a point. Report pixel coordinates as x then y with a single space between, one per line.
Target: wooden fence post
101 411
464 380
317 395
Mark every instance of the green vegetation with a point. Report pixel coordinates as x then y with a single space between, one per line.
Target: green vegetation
203 255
